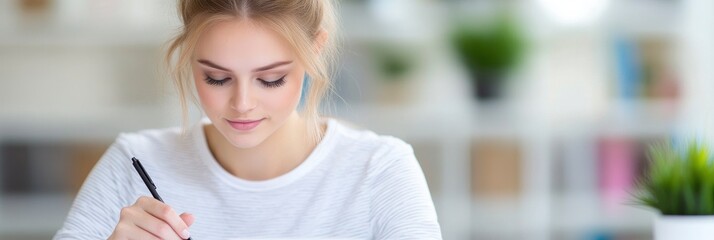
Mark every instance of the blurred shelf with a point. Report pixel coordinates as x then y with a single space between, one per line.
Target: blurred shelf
33 214
587 212
573 214
641 118
636 118
85 38
412 122
161 24
104 124
87 23
497 216
392 21
646 17
418 23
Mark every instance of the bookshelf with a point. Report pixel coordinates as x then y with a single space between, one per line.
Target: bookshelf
560 194
551 186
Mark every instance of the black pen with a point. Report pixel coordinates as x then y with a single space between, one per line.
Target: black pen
147 180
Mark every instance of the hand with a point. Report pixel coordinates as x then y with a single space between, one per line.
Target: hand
149 218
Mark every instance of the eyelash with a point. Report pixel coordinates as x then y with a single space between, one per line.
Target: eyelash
273 84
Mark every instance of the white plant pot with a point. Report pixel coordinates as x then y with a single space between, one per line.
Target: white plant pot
684 227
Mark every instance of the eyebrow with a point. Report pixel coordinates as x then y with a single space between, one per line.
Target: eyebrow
260 69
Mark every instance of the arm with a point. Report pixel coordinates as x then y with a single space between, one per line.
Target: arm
95 210
402 207
100 210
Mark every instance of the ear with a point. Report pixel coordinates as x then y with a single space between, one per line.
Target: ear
321 39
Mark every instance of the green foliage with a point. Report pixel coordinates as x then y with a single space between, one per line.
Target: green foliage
679 181
393 62
394 65
494 48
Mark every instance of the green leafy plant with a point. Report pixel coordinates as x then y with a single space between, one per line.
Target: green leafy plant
489 52
680 181
393 62
494 48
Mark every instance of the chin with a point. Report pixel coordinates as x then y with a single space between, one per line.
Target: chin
244 142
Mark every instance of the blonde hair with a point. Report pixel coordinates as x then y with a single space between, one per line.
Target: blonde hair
299 22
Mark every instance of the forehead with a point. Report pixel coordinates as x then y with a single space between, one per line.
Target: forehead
241 43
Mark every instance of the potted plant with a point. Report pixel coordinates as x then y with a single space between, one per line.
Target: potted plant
680 185
394 65
489 53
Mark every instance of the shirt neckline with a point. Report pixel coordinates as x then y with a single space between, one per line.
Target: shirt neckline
316 156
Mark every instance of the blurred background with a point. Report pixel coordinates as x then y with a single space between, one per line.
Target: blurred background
530 118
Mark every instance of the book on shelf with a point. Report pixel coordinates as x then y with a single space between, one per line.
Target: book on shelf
496 167
83 157
49 168
14 168
617 162
660 77
645 68
30 168
46 167
622 161
628 68
575 161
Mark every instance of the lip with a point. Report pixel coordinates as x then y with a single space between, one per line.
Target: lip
244 125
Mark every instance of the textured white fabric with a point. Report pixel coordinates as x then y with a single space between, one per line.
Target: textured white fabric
354 185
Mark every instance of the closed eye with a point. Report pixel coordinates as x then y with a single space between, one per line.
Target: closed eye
216 82
270 84
275 83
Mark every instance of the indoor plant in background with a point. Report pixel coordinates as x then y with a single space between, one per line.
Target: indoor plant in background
489 52
680 185
394 65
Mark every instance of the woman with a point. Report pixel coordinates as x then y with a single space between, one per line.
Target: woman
258 166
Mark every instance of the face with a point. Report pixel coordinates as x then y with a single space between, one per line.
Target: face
247 79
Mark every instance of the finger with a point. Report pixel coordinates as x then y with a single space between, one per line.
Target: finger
164 212
154 226
131 231
138 233
187 218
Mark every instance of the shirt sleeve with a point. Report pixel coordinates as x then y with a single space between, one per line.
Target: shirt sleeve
95 211
402 206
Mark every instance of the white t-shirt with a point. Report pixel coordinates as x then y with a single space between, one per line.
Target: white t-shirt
354 185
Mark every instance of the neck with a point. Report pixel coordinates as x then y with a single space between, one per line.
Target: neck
280 153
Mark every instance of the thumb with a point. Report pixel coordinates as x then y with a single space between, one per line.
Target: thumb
187 218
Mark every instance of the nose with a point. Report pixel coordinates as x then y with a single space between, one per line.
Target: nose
242 100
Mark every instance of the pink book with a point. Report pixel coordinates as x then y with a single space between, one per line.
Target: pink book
616 171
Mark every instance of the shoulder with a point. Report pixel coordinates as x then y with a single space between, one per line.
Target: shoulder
377 149
367 140
164 150
152 140
151 146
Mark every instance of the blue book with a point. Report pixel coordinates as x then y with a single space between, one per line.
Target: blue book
629 69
